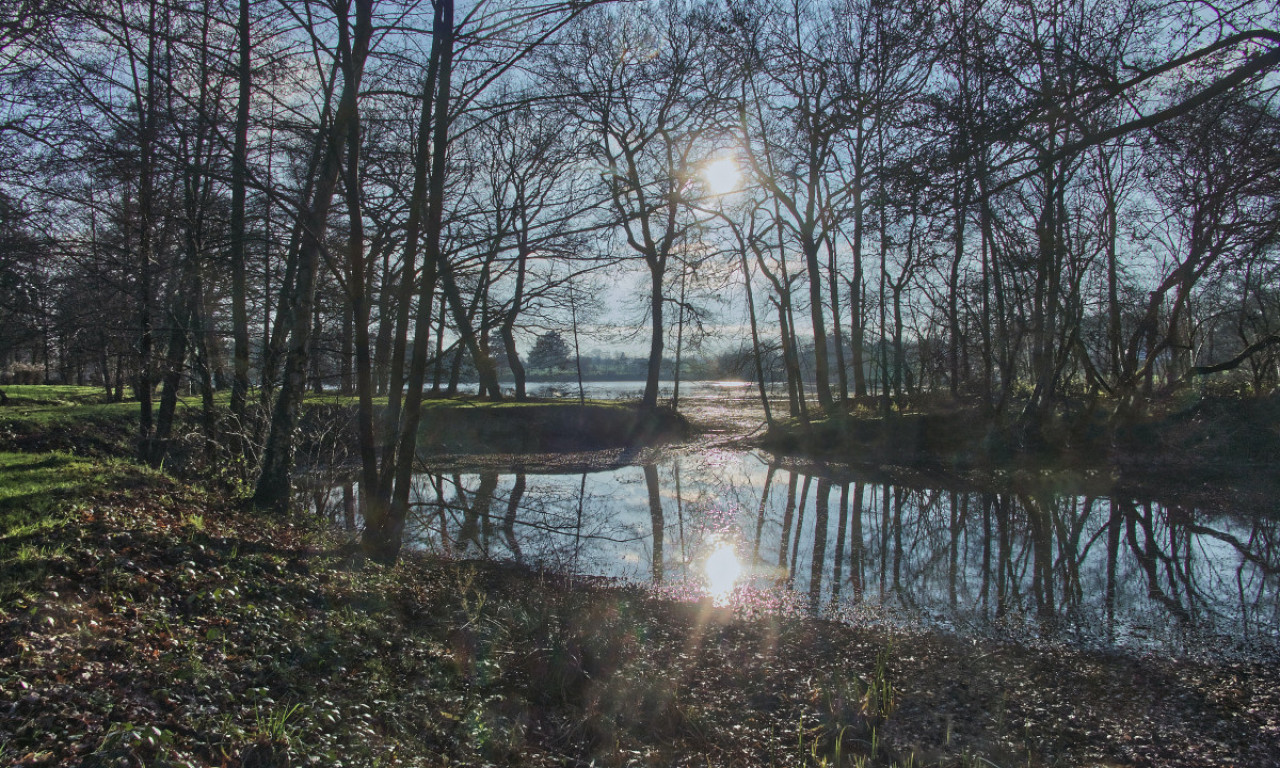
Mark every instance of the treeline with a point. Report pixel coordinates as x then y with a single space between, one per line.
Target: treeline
1003 200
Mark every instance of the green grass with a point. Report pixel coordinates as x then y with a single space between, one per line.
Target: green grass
465 402
44 406
54 405
34 485
40 494
429 405
81 420
50 394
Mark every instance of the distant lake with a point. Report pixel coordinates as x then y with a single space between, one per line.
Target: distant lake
634 390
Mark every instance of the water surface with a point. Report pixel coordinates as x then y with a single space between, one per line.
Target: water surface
1087 569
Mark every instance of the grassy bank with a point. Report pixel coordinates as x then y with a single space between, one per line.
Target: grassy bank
1198 440
81 420
47 418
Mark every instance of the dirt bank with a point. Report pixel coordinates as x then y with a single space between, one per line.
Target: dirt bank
1183 447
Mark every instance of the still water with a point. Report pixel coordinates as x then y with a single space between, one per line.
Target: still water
738 528
724 392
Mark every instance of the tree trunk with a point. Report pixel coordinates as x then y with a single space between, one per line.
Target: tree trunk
821 365
657 268
408 277
357 322
833 285
239 178
386 326
146 258
507 330
273 487
857 326
755 339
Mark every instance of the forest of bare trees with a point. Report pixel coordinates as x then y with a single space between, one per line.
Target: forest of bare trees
1008 202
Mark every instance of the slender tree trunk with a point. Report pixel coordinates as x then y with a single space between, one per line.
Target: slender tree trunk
357 319
675 389
885 395
275 340
485 367
239 179
386 326
346 384
1111 231
755 339
794 384
507 330
207 358
180 315
313 354
960 203
822 373
147 118
837 336
577 351
857 289
392 415
438 369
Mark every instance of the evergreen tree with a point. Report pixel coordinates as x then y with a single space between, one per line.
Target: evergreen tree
550 351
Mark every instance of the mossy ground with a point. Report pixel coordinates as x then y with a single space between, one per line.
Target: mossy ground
150 622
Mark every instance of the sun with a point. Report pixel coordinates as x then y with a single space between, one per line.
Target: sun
722 175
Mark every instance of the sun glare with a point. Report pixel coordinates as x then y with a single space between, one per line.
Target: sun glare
722 175
723 571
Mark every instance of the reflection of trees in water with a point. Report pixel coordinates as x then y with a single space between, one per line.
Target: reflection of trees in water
655 516
1096 563
1080 559
1113 564
538 519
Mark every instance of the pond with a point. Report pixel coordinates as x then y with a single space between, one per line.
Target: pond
741 529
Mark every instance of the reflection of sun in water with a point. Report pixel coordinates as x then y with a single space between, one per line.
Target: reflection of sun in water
723 570
722 175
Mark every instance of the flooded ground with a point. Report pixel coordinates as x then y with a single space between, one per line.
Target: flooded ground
1041 558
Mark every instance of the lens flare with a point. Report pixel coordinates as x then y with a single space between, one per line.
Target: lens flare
723 571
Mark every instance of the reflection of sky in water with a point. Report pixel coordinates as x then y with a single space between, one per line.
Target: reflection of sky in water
1089 570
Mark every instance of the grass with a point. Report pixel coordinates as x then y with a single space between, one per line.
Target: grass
37 489
41 493
42 403
66 418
